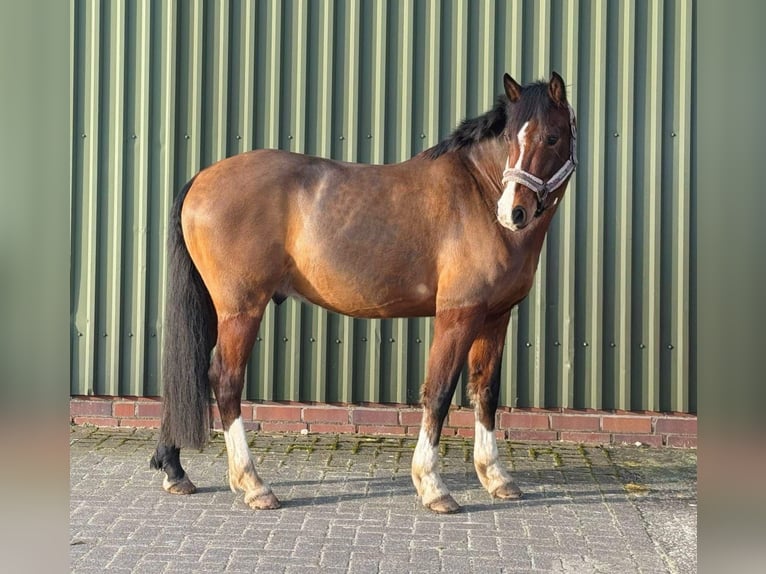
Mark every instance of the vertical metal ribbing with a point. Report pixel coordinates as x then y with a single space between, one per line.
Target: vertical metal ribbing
273 73
515 50
678 346
218 82
619 346
298 68
194 88
567 215
650 322
459 55
592 344
431 67
247 72
140 139
74 174
324 89
115 201
167 150
485 63
88 253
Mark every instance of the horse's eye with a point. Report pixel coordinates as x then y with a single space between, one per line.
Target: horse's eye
551 140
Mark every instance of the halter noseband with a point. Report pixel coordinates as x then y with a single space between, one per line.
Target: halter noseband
543 188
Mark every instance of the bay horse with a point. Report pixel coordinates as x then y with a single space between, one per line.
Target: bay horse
454 232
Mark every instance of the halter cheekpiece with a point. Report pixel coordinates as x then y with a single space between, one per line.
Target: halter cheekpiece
543 188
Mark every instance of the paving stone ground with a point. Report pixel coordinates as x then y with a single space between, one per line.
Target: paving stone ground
349 506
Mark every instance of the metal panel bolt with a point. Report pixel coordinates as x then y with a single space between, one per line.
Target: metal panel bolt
369 136
258 339
392 340
556 344
239 137
642 346
670 347
134 136
585 343
364 339
284 339
418 340
341 138
337 341
422 136
528 344
290 137
186 136
672 134
613 344
615 134
312 339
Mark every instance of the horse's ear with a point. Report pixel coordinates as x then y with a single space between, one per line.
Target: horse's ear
556 89
512 89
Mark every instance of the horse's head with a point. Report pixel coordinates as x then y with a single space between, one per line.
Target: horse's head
541 134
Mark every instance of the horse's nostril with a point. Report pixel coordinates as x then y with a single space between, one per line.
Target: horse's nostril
518 215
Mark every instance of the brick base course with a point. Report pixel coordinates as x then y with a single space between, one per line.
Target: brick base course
592 427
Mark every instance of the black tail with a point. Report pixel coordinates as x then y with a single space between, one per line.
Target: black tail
188 337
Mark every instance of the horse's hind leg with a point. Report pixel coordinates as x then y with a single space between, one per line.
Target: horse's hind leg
454 331
236 334
484 386
168 459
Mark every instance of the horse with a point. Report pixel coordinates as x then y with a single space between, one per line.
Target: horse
455 233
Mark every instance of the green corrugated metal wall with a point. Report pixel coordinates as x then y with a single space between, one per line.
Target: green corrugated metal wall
162 89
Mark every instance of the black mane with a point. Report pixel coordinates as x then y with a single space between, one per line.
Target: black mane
534 102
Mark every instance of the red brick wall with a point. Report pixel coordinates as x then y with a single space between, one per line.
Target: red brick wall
592 427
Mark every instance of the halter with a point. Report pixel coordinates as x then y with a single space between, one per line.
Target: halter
543 188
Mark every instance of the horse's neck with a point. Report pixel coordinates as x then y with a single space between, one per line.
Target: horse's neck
485 162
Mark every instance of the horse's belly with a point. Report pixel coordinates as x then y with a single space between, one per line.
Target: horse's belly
365 297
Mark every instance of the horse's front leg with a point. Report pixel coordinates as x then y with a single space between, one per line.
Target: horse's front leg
484 388
454 331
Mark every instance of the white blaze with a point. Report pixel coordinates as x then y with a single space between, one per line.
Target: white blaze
505 205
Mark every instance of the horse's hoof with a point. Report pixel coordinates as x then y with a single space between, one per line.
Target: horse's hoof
444 505
263 501
183 486
507 491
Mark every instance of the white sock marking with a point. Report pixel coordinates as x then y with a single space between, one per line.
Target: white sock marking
236 443
424 464
485 454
